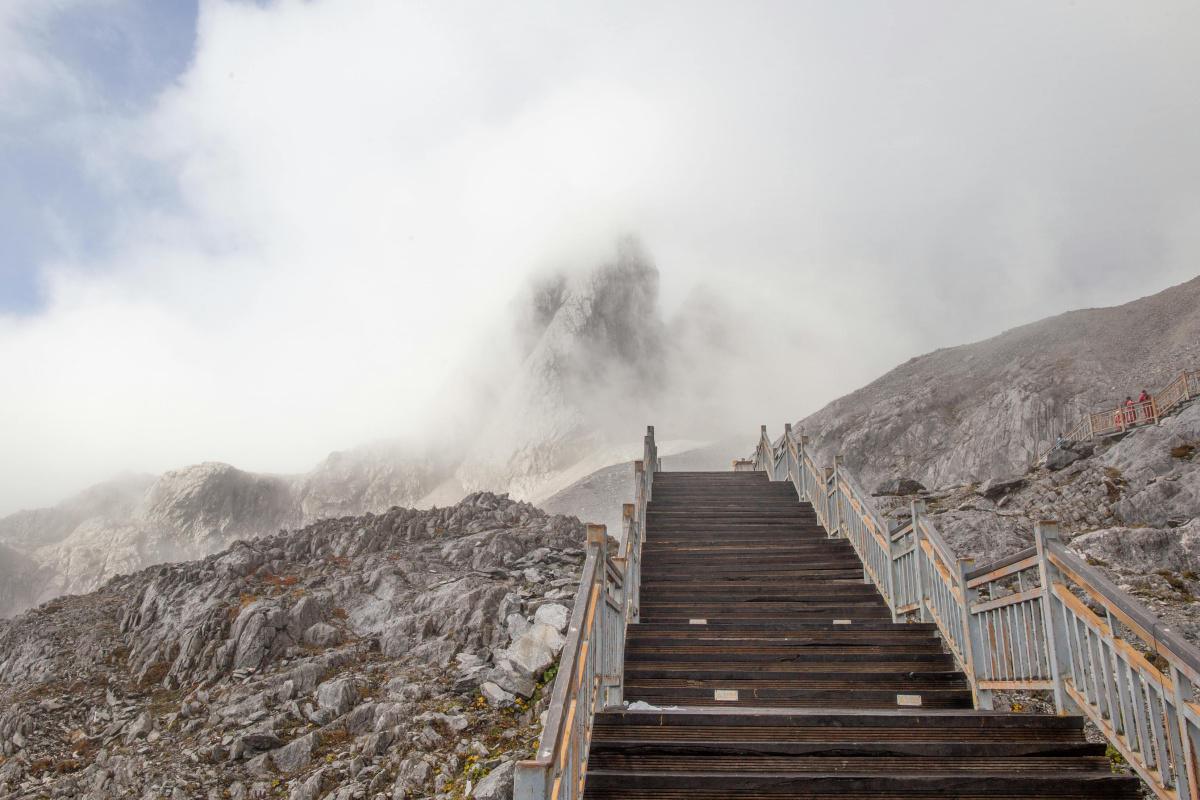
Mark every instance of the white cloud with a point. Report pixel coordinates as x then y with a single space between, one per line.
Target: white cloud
361 183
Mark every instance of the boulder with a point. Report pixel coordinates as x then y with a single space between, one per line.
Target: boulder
511 680
899 487
337 695
536 649
555 615
260 741
995 488
295 755
1068 454
497 784
496 696
310 789
322 635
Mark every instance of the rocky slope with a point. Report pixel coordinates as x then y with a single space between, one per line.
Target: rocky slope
384 656
1130 506
985 410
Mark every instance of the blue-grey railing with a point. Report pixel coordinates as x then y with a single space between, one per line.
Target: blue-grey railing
1040 619
591 670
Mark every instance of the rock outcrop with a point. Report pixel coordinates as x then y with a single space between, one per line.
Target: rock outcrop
396 655
986 410
1131 506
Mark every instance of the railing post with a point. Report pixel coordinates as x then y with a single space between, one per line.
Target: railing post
1189 781
918 511
787 449
972 645
801 446
972 635
829 478
597 536
1054 622
633 568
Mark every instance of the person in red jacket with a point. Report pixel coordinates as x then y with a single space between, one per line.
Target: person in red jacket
1130 411
1145 407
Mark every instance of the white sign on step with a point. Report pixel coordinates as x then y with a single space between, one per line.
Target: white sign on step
697 622
725 694
842 621
908 699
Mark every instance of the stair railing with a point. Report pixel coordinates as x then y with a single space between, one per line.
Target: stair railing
1119 419
591 673
1038 620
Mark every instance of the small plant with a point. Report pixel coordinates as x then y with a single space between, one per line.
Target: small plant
550 674
1115 758
1175 582
1184 452
280 582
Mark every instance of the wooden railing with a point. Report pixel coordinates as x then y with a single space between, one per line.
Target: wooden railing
1112 421
1038 620
591 670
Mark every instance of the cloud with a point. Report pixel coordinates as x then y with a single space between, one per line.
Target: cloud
318 221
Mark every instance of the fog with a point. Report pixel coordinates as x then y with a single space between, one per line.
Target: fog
319 225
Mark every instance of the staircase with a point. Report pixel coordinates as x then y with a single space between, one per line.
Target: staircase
776 671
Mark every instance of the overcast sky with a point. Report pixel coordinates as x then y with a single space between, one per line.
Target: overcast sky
257 232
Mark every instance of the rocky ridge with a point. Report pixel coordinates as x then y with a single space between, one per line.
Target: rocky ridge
986 410
384 656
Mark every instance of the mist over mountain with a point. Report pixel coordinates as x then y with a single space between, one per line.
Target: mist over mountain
587 357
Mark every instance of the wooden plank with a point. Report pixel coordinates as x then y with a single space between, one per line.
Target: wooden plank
1009 600
1017 562
1017 685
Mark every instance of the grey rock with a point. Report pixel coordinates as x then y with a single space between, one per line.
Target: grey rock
261 741
322 635
139 728
496 696
1063 457
553 614
510 680
995 488
497 784
310 789
899 487
337 695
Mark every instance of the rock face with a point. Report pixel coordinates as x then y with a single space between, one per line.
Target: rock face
1131 507
986 410
219 677
589 334
899 487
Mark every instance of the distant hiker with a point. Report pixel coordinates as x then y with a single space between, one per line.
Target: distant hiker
1145 407
1130 410
1061 442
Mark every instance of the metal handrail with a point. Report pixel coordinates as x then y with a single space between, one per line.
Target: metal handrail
1038 620
1118 419
591 669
